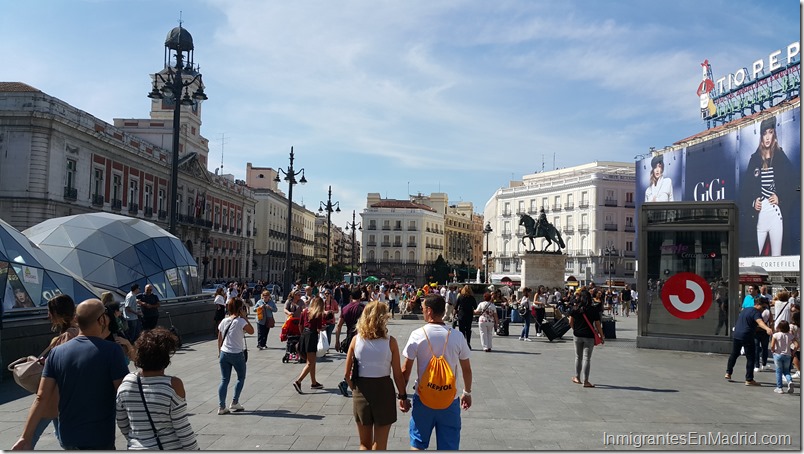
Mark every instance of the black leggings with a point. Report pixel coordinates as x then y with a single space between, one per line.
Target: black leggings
465 327
538 319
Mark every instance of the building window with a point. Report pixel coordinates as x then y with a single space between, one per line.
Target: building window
570 199
557 223
532 206
629 246
569 221
149 194
117 187
97 182
544 203
521 207
71 170
133 192
507 208
629 197
226 218
161 200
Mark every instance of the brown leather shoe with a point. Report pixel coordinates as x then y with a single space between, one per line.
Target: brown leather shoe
752 383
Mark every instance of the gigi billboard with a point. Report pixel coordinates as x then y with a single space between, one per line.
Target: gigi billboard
757 166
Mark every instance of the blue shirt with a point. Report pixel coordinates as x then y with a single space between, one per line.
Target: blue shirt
748 301
84 369
747 324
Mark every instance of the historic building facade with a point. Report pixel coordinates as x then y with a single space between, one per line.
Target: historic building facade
57 160
592 205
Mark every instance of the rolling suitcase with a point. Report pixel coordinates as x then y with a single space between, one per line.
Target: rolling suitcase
609 329
555 329
503 329
173 329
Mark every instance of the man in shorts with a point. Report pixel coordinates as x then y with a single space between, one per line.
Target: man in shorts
446 422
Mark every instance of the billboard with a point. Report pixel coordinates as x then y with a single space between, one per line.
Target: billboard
756 166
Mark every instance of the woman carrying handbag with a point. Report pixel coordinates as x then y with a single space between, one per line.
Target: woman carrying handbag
587 331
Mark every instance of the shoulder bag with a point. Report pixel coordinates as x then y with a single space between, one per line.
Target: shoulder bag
598 339
27 371
148 413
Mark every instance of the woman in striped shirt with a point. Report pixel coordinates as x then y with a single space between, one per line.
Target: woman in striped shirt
151 410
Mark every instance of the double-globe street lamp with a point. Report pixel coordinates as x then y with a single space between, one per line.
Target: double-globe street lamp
354 227
487 230
328 207
179 41
609 250
290 177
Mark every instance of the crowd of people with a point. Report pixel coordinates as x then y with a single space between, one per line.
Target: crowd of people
150 410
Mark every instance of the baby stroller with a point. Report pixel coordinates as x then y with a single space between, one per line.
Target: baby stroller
291 334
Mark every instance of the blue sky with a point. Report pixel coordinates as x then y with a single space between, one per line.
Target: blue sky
397 96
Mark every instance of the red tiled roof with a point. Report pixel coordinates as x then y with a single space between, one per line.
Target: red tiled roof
17 87
400 204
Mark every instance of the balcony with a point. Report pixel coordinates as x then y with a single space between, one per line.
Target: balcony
162 215
506 214
248 233
610 202
610 227
630 228
629 253
133 208
217 226
398 228
200 222
371 243
148 212
629 204
506 235
569 206
583 228
557 207
412 228
70 193
412 244
533 210
97 200
386 227
583 204
117 204
399 244
239 231
372 227
569 229
232 230
385 244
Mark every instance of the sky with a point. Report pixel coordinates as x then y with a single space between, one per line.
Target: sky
404 97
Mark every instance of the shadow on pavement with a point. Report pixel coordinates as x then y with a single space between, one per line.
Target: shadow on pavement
636 388
278 414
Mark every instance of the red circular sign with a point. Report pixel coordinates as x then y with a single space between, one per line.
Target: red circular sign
686 296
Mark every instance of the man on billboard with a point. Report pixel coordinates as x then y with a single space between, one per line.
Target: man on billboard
767 191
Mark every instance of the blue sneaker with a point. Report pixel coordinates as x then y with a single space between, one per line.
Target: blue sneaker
342 386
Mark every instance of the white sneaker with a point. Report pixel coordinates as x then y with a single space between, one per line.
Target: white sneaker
539 335
756 369
223 411
236 407
778 390
767 367
790 388
784 380
521 338
797 374
527 339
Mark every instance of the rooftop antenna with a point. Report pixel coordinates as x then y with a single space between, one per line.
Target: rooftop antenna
554 160
223 142
542 162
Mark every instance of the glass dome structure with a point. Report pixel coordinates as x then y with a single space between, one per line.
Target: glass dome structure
113 252
29 277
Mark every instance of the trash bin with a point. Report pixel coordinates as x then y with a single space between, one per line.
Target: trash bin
609 327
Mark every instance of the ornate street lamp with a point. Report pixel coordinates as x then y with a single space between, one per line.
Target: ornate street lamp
354 227
328 207
487 230
290 177
179 46
609 250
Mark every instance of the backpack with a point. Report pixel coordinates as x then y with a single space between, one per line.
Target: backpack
260 310
437 383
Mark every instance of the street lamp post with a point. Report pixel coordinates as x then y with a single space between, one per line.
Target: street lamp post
355 227
290 177
468 260
487 230
329 208
179 41
609 250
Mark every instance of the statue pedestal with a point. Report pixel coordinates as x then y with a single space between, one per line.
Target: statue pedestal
539 268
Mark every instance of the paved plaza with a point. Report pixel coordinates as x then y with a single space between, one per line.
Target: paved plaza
522 400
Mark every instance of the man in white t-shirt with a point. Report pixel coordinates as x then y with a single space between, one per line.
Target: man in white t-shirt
423 420
132 314
451 300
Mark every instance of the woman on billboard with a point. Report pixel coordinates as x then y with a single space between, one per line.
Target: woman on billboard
767 189
660 188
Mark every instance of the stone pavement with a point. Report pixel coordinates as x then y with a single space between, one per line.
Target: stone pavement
522 400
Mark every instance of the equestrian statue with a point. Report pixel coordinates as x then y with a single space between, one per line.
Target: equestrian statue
541 228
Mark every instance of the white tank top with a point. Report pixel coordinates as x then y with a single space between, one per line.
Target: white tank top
373 357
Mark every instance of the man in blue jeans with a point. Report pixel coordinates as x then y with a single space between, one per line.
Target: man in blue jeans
423 419
743 339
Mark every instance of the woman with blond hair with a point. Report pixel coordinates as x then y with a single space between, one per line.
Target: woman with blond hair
312 323
377 356
465 308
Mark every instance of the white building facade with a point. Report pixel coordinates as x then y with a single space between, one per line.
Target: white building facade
593 207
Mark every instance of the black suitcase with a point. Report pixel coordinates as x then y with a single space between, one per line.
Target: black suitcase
174 330
609 329
555 329
503 329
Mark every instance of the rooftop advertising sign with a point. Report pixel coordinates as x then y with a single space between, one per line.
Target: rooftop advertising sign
745 91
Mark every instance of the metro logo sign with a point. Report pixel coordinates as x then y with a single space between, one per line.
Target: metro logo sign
686 296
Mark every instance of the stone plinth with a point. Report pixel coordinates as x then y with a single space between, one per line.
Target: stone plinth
543 268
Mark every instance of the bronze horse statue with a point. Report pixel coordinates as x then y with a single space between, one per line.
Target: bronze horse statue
544 230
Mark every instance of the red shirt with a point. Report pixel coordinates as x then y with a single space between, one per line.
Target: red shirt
314 324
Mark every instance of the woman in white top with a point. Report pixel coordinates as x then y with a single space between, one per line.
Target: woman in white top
377 356
660 188
231 344
487 322
164 396
526 304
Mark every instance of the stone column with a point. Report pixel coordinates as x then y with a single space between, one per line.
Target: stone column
539 268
